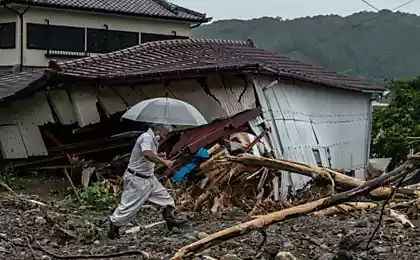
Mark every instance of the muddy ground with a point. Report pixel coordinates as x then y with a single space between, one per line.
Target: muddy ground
305 237
76 230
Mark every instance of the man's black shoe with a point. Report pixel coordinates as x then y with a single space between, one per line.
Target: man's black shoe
114 231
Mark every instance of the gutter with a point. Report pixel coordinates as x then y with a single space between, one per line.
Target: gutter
195 25
20 14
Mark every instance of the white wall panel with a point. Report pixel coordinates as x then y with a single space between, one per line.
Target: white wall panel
310 117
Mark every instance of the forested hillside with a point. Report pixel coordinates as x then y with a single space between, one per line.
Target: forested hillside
374 46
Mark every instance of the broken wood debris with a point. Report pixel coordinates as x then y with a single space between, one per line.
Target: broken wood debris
320 204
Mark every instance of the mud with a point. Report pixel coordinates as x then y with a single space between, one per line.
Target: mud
306 237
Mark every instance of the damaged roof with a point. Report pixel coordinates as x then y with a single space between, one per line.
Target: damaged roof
12 84
182 57
144 8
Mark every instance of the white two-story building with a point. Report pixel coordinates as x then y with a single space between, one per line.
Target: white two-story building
32 32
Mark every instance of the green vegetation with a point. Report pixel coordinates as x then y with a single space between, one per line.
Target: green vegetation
372 46
98 195
8 177
394 126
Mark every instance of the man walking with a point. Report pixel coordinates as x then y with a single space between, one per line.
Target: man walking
141 185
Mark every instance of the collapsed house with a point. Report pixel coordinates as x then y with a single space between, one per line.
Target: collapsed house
314 116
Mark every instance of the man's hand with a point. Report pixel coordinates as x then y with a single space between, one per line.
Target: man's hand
168 163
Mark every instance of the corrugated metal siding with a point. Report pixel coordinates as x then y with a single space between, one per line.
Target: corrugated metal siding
62 106
29 130
155 91
234 93
84 105
191 92
130 94
40 108
317 118
110 101
11 143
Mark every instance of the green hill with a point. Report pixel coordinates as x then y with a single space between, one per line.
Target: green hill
373 46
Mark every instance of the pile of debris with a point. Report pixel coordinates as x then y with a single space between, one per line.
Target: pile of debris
228 177
232 173
347 194
219 183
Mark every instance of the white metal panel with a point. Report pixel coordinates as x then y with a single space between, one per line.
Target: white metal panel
248 99
130 94
62 106
274 135
110 101
235 94
259 84
29 130
191 92
11 143
84 105
315 117
360 174
296 137
155 91
40 108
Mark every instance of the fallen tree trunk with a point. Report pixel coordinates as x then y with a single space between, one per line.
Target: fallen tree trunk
319 173
269 219
347 207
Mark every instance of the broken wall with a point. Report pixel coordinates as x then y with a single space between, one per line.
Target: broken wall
82 106
315 124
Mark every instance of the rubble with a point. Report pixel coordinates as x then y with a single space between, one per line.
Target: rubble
230 192
289 236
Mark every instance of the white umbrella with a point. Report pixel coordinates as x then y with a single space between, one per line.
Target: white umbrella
165 111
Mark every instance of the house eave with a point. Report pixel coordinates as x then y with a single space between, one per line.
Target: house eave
103 11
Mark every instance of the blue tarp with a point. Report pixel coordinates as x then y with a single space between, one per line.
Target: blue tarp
190 166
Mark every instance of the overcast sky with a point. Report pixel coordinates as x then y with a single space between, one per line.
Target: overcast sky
248 9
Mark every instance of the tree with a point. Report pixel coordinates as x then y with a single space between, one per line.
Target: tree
393 126
371 45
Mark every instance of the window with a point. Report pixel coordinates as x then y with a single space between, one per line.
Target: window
55 37
102 40
7 35
150 37
96 40
118 40
36 36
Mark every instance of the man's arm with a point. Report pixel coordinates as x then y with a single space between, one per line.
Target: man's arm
146 151
151 156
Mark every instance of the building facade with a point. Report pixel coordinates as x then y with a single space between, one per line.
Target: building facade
32 34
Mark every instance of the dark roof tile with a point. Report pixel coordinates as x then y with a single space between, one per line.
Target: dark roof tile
12 84
149 8
194 55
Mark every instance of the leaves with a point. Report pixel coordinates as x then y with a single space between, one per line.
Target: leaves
98 194
393 126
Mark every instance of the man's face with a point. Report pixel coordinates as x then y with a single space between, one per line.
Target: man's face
162 132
